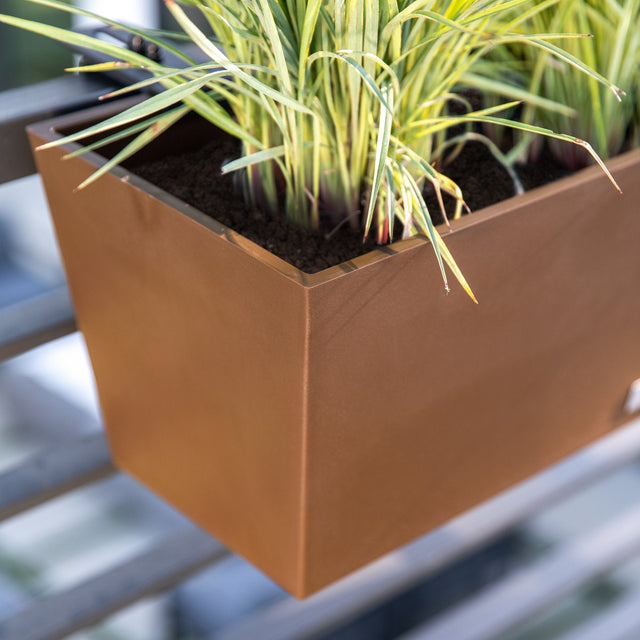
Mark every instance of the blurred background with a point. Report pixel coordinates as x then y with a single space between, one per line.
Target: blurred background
556 559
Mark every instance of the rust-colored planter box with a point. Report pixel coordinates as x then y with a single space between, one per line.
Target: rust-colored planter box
315 422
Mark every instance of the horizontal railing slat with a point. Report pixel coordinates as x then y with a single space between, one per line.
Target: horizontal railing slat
55 470
164 565
32 339
621 621
32 322
507 604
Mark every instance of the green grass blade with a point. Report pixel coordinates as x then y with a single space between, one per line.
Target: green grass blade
308 28
125 133
220 58
382 151
254 158
142 110
455 269
424 220
104 66
271 31
513 124
78 39
369 81
571 60
500 88
169 75
152 132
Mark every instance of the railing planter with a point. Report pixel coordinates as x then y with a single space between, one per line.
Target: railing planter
314 422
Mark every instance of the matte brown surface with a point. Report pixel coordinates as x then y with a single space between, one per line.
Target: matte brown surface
198 360
422 405
313 423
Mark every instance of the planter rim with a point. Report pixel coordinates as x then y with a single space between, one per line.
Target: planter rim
49 129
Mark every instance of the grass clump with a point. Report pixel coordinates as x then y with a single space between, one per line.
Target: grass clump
342 108
583 107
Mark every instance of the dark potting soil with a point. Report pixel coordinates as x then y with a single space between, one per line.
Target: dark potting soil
484 181
195 178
